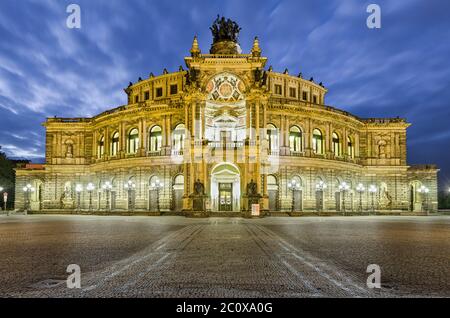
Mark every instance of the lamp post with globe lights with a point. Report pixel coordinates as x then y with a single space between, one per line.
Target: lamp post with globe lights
294 186
320 187
4 195
343 187
107 187
448 198
27 190
424 191
130 186
78 190
90 188
372 190
1 190
360 189
157 185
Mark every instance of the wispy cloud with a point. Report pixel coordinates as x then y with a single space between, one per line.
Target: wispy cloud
47 69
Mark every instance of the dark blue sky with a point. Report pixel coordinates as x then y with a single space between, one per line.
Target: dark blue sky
402 69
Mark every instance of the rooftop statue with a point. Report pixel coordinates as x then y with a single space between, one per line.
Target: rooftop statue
224 30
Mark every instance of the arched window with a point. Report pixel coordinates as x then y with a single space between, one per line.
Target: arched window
101 147
178 138
115 144
155 139
133 141
336 145
350 148
297 180
317 142
178 180
272 137
272 180
295 139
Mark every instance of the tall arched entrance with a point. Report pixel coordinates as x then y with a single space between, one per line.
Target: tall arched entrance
36 197
225 188
177 193
272 189
415 198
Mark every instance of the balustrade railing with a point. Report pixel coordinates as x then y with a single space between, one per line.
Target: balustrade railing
154 153
226 144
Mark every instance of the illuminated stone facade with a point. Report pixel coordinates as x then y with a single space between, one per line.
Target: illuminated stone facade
226 120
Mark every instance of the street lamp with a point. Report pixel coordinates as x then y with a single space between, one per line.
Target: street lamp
107 186
294 186
1 190
157 185
447 199
28 189
372 190
90 188
130 186
78 190
424 190
360 189
343 187
320 186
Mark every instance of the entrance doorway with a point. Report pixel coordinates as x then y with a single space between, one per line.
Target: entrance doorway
225 188
178 192
225 197
337 197
415 198
36 197
272 189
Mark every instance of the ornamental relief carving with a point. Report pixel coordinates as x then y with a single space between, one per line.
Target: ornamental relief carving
320 123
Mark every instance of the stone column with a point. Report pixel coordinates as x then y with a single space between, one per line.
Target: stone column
258 148
163 133
144 137
107 142
94 145
281 133
169 134
141 150
248 122
308 138
344 143
329 141
122 141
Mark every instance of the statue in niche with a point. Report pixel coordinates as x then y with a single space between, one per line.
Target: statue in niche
67 195
264 79
382 149
252 188
69 151
192 77
258 75
199 188
385 198
66 198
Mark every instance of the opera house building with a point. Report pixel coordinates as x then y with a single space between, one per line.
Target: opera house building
226 135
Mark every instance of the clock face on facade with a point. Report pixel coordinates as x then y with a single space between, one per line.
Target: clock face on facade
225 87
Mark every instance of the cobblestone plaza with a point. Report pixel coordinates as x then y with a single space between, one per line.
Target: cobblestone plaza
224 257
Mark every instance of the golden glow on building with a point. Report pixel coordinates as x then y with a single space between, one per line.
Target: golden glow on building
227 120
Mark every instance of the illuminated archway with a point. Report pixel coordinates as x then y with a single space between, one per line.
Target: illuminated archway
225 188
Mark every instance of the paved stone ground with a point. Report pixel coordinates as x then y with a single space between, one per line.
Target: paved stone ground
224 257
